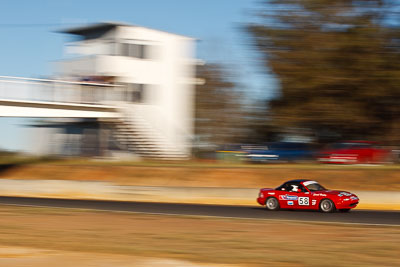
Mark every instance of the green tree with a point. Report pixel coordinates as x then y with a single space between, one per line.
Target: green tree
338 64
219 109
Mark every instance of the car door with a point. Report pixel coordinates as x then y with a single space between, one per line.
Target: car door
285 196
304 198
289 197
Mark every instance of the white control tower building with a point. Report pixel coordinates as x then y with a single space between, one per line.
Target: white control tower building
153 78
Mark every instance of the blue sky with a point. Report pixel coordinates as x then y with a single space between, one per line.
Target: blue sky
29 41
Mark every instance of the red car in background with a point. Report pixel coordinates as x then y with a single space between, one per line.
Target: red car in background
306 194
354 152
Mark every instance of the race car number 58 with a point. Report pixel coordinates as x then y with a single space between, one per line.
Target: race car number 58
304 201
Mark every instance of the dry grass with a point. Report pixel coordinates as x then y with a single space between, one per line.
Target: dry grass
245 242
213 175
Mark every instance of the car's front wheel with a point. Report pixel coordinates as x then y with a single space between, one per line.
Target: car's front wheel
272 204
326 205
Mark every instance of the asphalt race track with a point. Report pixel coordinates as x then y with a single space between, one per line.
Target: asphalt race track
367 217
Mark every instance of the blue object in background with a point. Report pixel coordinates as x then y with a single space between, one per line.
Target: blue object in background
280 152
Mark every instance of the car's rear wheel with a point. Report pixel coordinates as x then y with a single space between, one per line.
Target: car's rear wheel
326 205
272 203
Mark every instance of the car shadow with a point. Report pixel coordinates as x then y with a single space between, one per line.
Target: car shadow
263 209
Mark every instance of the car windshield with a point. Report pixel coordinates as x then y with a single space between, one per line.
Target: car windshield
314 186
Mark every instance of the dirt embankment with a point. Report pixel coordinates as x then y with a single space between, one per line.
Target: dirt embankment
375 178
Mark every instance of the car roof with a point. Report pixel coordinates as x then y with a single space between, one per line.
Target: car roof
297 181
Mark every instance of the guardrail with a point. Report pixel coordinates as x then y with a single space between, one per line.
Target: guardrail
47 90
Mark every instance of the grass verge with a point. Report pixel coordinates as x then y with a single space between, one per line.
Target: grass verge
195 174
204 240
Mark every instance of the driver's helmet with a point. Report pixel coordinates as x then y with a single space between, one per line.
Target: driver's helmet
295 188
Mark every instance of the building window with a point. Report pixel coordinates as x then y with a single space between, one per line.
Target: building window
134 50
135 92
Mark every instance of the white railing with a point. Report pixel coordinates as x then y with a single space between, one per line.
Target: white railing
47 90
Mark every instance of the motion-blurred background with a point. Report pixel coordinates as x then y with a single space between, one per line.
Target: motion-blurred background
164 107
290 81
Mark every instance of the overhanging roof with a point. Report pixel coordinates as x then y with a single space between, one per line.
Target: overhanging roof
105 27
83 30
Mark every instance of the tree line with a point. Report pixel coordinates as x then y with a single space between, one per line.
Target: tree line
338 70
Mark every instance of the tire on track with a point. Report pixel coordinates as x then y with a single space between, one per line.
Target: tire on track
272 204
326 205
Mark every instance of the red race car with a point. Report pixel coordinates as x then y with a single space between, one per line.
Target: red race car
354 152
306 194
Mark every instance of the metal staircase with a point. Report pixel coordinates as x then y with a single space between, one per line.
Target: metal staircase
136 135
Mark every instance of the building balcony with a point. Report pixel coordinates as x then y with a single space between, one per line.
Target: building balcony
60 91
124 69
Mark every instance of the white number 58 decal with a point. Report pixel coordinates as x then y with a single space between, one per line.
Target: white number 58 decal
304 201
